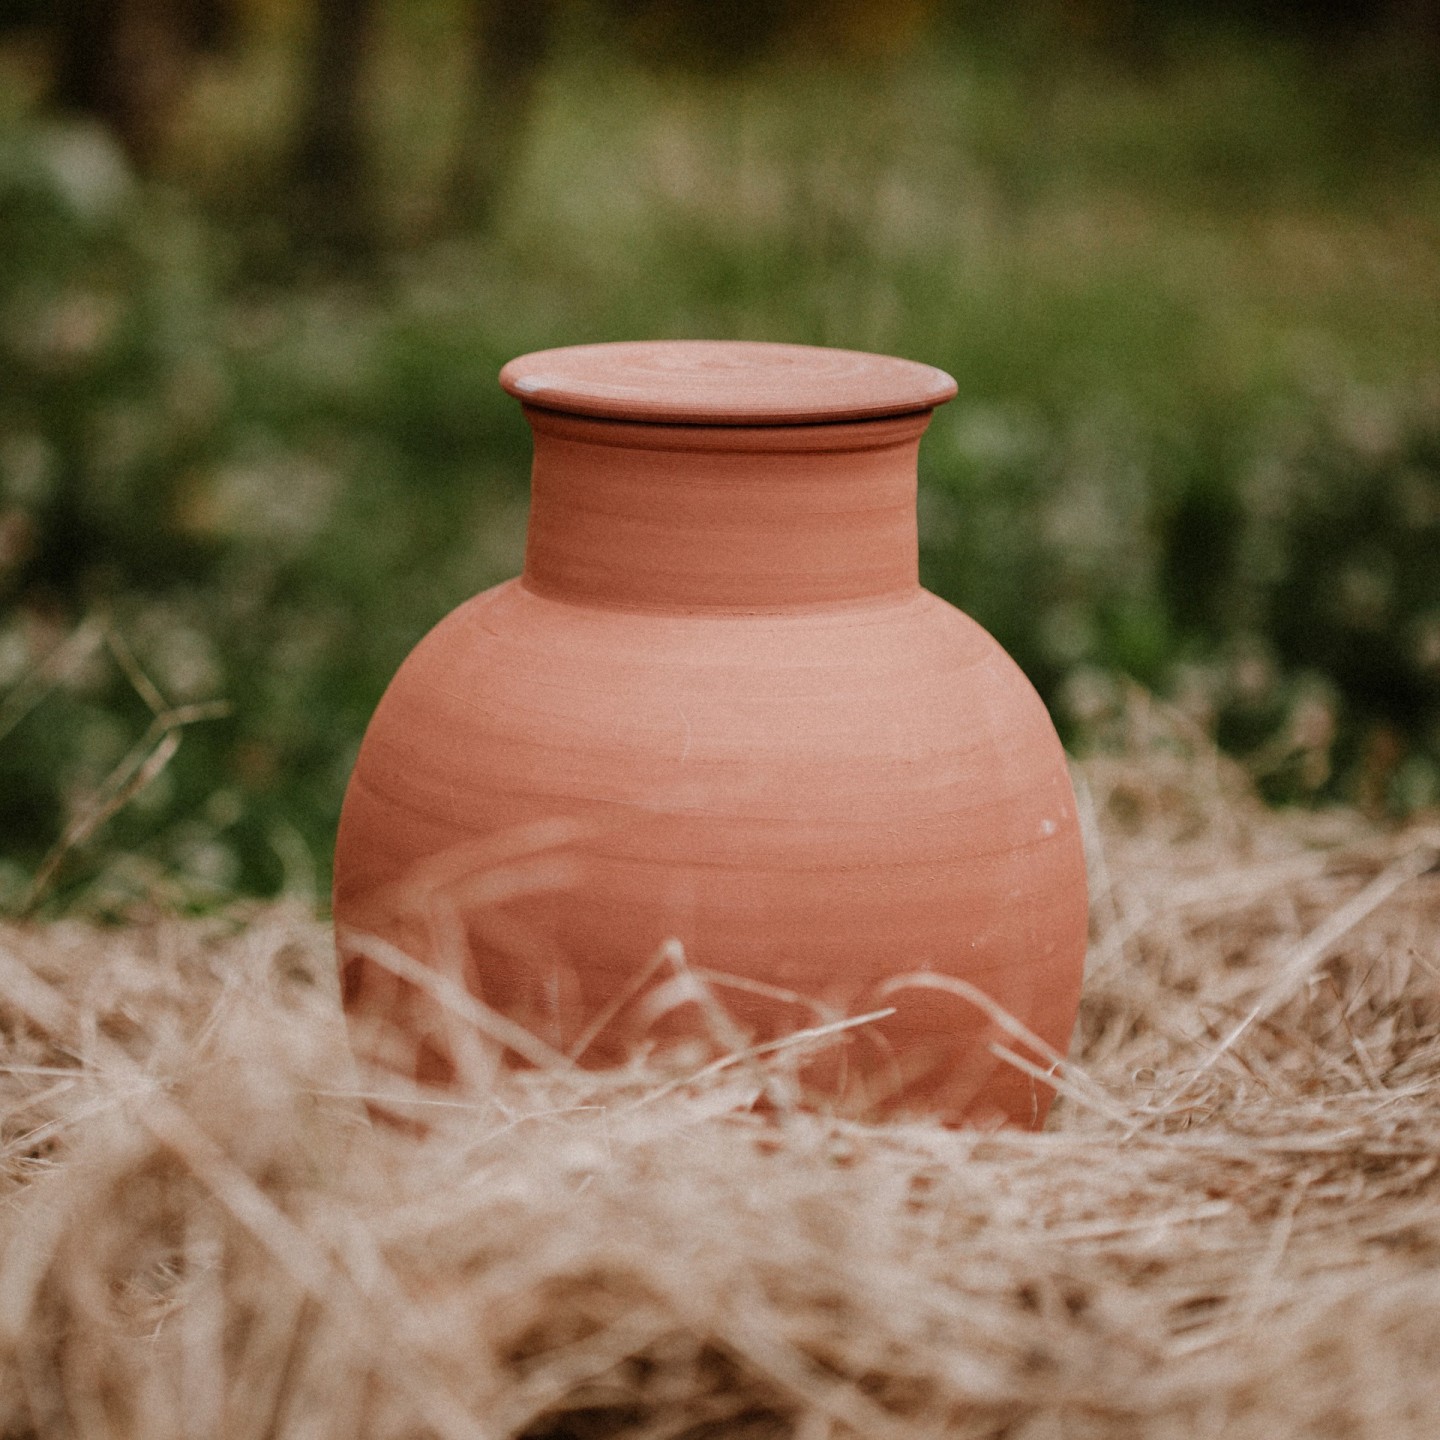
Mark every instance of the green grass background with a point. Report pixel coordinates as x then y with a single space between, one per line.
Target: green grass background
1193 306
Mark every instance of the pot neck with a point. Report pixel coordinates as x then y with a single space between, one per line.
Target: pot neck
689 518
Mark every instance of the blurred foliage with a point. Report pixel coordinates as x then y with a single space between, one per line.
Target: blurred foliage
1190 289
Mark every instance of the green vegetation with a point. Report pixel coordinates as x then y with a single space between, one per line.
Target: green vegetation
1193 307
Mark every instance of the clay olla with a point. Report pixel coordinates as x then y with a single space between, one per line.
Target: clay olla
717 708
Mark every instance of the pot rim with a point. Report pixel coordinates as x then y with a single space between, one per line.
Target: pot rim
724 383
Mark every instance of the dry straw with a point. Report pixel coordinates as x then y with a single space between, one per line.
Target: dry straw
1230 1228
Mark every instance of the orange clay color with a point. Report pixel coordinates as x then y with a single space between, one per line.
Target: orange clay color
718 707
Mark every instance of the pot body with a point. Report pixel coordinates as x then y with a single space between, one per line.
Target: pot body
719 708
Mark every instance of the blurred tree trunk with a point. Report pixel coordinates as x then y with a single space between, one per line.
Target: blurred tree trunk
510 40
129 62
334 207
1418 22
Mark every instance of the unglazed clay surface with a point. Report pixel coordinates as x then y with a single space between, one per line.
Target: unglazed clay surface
718 707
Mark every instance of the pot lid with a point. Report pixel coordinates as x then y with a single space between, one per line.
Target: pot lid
724 382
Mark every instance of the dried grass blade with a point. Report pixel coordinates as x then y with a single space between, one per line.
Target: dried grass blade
1316 946
796 1039
459 1001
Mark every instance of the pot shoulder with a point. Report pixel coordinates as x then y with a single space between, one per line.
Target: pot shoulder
514 690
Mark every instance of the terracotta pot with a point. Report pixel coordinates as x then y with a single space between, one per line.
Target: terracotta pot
717 706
